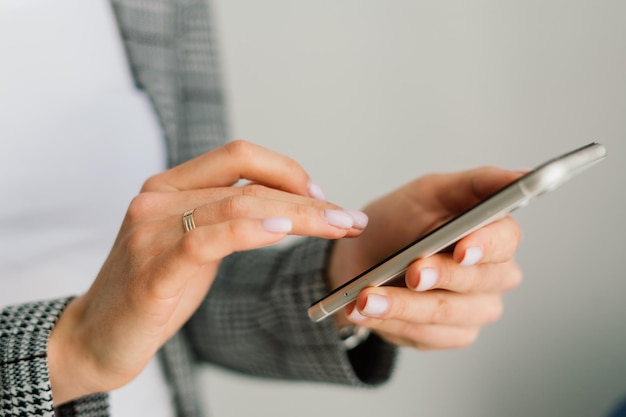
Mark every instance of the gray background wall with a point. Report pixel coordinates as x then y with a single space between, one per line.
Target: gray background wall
370 94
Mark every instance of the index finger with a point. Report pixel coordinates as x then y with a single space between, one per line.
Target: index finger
232 162
490 247
458 191
496 242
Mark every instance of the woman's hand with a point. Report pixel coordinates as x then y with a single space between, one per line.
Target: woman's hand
156 275
449 296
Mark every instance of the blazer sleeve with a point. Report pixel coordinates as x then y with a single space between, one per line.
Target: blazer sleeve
255 320
24 377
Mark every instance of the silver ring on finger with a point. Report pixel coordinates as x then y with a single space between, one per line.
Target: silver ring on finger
188 223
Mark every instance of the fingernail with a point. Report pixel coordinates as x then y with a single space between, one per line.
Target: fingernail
472 256
277 224
360 218
428 278
316 192
375 305
339 218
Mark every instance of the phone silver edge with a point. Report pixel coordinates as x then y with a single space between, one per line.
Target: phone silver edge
541 180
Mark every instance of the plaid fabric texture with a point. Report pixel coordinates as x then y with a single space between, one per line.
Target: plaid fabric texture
257 310
171 50
254 319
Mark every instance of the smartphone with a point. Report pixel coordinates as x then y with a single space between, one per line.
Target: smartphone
542 179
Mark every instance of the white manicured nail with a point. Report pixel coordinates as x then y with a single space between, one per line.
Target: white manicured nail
277 224
360 218
339 218
316 192
472 256
375 305
428 278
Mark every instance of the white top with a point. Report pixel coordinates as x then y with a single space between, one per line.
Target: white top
77 141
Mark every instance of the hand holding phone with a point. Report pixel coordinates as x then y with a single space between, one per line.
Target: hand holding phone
544 178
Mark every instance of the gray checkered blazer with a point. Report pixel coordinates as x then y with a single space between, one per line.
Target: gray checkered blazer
254 319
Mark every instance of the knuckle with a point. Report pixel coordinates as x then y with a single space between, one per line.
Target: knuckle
293 166
446 279
151 184
295 175
233 206
239 148
254 190
141 206
442 311
397 309
304 213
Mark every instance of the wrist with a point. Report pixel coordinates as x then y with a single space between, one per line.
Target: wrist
67 365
